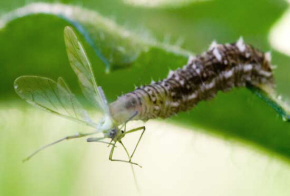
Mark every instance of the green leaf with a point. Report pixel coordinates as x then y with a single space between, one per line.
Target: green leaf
116 47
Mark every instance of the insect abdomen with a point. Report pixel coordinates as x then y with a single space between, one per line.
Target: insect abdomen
221 68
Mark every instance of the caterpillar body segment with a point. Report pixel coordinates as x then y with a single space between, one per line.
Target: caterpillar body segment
221 68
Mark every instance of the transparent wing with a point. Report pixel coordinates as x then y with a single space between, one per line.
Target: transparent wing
82 67
52 96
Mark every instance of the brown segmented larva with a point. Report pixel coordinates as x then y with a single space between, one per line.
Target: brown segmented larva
222 68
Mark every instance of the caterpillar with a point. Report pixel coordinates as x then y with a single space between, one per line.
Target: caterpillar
221 68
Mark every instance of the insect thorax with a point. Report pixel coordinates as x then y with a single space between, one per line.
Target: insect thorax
221 68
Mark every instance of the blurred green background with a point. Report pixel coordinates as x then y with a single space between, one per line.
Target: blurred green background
232 145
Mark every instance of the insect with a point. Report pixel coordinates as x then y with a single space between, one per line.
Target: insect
56 97
221 68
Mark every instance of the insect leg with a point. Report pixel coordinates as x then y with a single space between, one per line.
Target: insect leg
272 100
98 139
58 141
112 152
134 130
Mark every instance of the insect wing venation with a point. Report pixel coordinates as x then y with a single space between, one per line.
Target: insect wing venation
82 67
52 96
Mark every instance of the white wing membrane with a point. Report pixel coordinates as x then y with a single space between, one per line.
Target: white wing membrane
52 96
82 67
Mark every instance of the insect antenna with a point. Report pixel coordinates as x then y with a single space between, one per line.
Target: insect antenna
79 135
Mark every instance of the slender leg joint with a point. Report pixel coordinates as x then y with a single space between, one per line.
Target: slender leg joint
129 156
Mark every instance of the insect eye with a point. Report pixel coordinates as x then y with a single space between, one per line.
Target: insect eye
113 133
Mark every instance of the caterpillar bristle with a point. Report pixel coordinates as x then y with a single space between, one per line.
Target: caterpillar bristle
190 59
273 67
213 45
241 44
268 56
